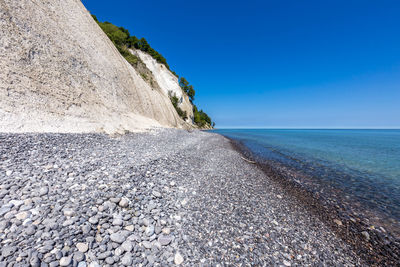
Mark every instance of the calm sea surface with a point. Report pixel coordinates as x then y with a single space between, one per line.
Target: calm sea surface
362 164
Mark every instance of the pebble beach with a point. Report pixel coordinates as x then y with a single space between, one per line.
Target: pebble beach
162 198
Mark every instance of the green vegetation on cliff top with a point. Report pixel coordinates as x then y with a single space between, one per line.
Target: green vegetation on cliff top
123 41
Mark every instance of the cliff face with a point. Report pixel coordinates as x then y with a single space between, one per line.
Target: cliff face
61 73
167 82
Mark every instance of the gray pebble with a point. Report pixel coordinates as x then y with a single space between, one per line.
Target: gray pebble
4 210
109 260
366 235
82 247
86 229
115 199
69 212
65 261
178 259
102 256
118 251
79 256
127 259
8 250
94 264
156 194
146 244
124 202
151 259
117 238
127 246
93 220
30 230
34 261
164 240
43 191
149 230
118 222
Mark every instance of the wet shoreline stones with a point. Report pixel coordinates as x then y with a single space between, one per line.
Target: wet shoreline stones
375 245
163 198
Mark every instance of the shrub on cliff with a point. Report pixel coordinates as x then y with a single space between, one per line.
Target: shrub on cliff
175 103
188 89
122 38
117 35
201 118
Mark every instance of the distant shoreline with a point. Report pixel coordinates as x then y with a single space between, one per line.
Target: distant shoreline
378 249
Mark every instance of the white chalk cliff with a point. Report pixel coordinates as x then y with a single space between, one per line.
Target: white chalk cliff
167 81
60 73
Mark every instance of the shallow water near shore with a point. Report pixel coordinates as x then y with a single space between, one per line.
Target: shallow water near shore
358 168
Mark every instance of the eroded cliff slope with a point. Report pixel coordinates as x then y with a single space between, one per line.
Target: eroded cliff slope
167 82
61 73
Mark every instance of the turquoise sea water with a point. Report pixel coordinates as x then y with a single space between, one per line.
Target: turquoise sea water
364 164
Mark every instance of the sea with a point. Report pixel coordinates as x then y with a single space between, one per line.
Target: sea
359 169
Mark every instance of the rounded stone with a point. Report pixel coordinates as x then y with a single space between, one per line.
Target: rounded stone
30 230
118 222
79 256
156 194
149 230
109 260
366 235
93 220
178 259
118 251
146 244
8 251
86 229
117 238
115 199
164 240
127 246
82 247
130 228
338 222
166 230
123 203
94 264
43 191
22 215
127 259
65 261
287 263
34 261
69 212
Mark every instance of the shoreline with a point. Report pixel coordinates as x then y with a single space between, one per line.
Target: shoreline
164 198
378 248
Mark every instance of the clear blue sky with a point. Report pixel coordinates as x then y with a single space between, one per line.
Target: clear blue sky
277 63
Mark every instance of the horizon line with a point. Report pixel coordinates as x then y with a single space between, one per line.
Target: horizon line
312 128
